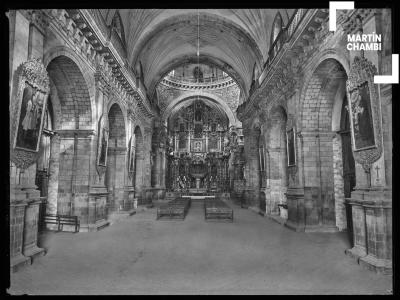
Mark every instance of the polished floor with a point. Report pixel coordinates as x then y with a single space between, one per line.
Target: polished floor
252 255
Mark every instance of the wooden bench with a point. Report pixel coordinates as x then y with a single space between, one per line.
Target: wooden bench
175 209
61 220
216 209
51 219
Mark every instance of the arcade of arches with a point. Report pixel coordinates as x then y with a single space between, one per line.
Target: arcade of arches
114 111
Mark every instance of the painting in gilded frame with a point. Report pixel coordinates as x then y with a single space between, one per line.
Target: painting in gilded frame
30 122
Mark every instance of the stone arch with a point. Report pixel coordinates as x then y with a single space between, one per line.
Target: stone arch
84 69
117 125
208 96
72 99
320 111
122 114
209 19
309 72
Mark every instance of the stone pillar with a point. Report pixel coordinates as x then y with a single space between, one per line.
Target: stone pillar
17 218
74 172
359 233
115 173
54 164
372 228
275 181
252 174
317 159
295 191
129 189
340 208
31 226
163 167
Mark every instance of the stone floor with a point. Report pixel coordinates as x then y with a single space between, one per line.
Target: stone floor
252 255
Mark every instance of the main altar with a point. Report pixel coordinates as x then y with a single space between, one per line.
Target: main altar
199 139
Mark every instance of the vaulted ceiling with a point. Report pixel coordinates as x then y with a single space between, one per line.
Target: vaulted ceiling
235 40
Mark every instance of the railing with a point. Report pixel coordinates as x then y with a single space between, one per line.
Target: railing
115 39
285 34
210 79
185 84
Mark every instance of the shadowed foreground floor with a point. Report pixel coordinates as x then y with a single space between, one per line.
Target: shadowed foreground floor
252 255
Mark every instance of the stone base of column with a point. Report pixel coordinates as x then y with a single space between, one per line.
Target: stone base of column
322 228
355 253
94 227
372 263
34 252
295 203
310 228
120 215
372 228
256 209
18 262
294 226
277 219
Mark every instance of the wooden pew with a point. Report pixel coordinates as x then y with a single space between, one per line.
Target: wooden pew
216 209
174 209
61 220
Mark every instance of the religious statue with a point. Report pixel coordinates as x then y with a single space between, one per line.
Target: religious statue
197 146
226 141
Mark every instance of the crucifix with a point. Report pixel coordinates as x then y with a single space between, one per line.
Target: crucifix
377 173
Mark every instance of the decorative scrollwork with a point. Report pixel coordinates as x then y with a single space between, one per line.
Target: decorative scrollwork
31 73
362 72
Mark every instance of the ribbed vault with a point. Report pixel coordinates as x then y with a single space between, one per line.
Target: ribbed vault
158 40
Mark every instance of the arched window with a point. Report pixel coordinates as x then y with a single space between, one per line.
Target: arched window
118 28
277 26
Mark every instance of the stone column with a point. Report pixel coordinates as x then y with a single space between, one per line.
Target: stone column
17 217
340 208
275 181
54 164
31 226
251 191
295 191
117 157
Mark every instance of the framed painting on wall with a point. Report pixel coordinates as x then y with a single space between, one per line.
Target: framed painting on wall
361 121
291 147
131 155
103 147
30 122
